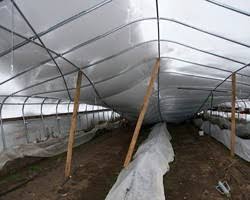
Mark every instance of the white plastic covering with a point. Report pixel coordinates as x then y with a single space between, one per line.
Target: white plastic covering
115 43
241 104
242 126
50 147
41 129
143 178
242 146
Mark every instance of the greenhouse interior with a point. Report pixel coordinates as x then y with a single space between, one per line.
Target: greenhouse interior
164 113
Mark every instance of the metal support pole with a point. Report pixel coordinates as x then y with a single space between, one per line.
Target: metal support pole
25 122
103 115
87 119
98 114
112 116
211 111
43 123
80 121
108 116
93 115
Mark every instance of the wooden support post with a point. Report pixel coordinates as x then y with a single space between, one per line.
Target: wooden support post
154 73
233 125
73 125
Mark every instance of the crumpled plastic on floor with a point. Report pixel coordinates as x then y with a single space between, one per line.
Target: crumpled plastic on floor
143 178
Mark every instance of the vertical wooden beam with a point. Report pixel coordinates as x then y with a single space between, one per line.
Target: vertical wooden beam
233 125
73 125
211 109
154 73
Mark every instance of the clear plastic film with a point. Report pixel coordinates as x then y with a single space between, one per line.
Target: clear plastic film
115 43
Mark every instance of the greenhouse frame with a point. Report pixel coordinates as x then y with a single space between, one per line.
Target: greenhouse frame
155 73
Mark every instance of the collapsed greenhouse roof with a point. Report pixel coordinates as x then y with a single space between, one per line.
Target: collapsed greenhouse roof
200 43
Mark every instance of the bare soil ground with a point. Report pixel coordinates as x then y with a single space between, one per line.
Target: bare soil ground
200 162
95 169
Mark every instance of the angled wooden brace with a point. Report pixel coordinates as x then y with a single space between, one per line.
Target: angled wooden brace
73 125
149 91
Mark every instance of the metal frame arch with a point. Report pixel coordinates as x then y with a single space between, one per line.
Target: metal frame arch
68 113
118 28
58 25
60 76
1 122
139 64
244 102
103 115
87 120
98 114
57 118
143 20
228 7
24 120
42 117
68 51
247 65
42 43
230 40
202 77
41 108
93 115
58 102
205 31
68 106
107 58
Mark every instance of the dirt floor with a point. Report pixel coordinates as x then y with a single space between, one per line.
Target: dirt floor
199 163
95 169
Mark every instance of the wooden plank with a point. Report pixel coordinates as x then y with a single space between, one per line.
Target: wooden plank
73 125
142 113
233 125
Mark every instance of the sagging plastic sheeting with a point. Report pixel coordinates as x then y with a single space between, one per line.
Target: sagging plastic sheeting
17 132
143 178
222 122
242 146
194 50
241 104
242 127
51 147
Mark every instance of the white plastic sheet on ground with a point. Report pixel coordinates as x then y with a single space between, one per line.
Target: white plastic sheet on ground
242 146
143 179
51 147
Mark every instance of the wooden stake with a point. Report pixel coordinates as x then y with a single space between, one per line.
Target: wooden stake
142 113
73 125
233 125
